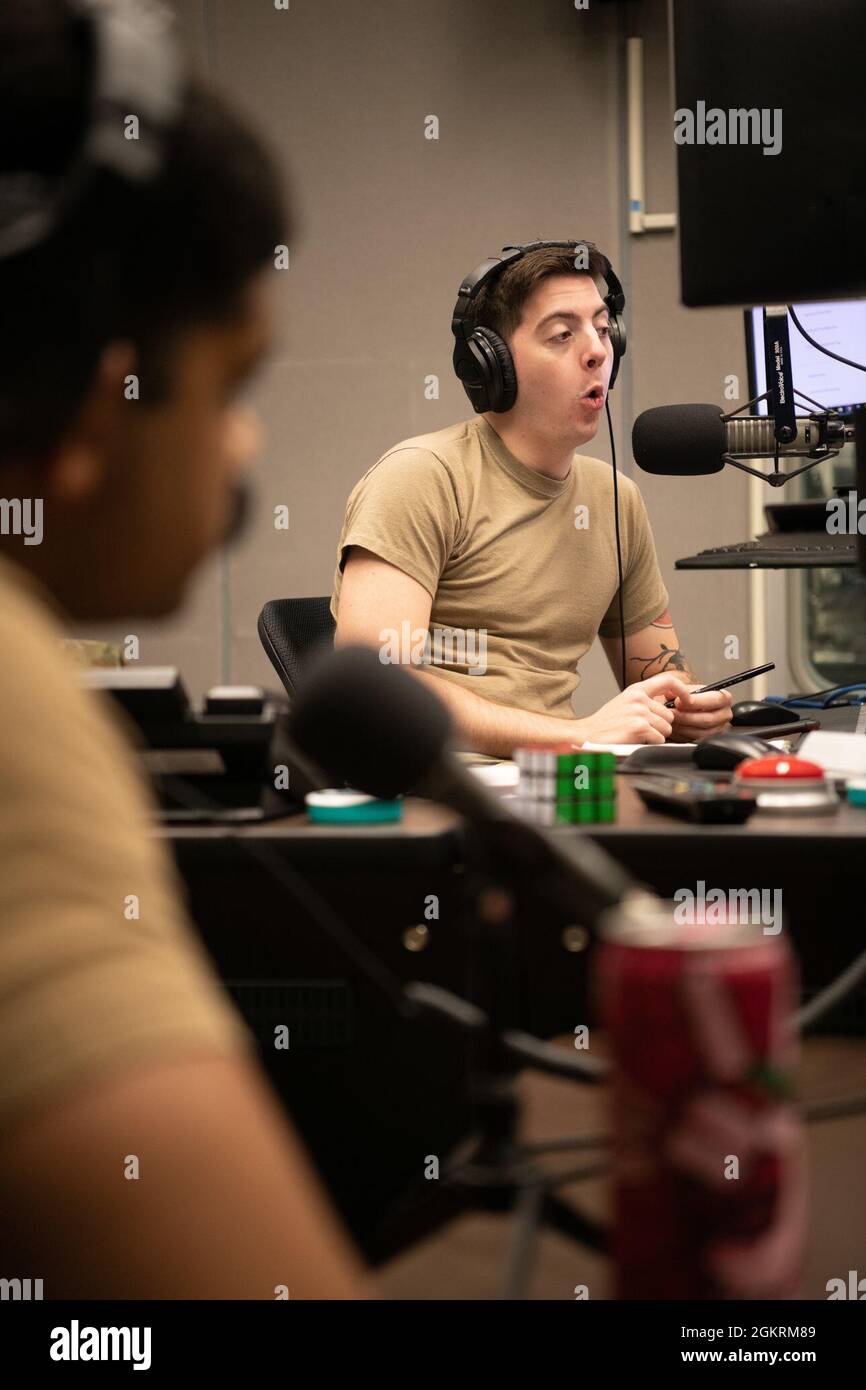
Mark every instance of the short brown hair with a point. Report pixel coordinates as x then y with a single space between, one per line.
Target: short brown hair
499 304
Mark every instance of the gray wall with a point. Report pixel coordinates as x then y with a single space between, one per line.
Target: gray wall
530 100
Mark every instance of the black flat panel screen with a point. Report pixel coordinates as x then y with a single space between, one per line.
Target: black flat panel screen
787 224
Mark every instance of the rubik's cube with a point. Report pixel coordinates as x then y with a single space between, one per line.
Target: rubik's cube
559 786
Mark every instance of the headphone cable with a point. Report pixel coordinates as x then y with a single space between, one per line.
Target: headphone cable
618 545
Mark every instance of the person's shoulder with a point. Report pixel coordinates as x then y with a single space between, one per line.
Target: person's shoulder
596 475
31 637
592 470
446 448
438 461
50 728
94 985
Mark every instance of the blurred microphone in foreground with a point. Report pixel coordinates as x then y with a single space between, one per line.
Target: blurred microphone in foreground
384 732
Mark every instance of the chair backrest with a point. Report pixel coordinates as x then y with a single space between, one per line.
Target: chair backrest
291 629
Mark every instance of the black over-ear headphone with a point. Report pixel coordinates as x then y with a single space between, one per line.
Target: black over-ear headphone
482 359
137 70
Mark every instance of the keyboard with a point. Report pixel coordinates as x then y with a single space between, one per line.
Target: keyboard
777 550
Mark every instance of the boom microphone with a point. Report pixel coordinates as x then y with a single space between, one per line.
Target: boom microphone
385 732
685 440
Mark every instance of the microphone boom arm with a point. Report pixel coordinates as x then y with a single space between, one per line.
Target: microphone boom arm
778 479
817 454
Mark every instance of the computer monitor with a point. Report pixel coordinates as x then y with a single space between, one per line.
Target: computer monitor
839 325
775 210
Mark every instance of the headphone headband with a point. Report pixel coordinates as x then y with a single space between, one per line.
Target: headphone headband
488 270
137 72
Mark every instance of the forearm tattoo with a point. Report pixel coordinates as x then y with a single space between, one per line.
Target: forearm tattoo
666 658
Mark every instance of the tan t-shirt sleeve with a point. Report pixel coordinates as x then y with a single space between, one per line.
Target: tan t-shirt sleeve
405 511
99 966
644 592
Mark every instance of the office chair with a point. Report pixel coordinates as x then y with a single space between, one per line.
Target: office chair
291 629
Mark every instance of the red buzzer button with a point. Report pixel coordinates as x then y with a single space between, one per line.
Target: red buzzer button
781 767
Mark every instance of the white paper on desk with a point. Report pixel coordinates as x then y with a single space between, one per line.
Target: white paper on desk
625 750
500 774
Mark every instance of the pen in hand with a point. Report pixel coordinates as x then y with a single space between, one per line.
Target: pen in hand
732 680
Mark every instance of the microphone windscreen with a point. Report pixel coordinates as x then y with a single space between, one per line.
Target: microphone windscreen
680 439
368 723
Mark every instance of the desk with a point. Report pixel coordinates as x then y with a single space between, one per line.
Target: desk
373 1094
816 861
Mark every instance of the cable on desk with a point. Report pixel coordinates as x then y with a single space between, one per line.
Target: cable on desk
832 995
817 1111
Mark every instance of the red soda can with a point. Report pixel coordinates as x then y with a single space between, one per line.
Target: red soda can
709 1184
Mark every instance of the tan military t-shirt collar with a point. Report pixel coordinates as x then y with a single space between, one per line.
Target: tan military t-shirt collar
534 482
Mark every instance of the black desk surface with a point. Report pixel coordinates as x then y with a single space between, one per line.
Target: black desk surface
420 820
427 835
423 824
429 830
633 818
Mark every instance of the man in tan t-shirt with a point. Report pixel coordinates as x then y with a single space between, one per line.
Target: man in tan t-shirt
484 555
142 1154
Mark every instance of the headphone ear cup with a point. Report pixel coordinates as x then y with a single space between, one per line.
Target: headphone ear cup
618 343
503 377
473 369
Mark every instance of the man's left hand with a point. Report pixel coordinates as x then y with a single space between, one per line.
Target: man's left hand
698 716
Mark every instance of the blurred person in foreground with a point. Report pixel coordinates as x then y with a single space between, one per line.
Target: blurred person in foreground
116 1038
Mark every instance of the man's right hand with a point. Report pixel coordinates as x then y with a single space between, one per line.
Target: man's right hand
637 714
